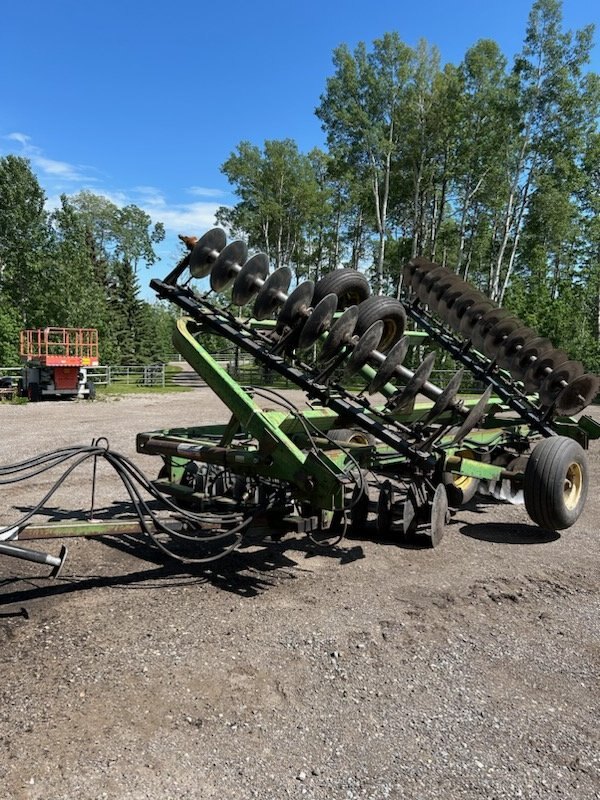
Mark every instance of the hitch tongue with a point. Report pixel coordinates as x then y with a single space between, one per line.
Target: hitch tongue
56 562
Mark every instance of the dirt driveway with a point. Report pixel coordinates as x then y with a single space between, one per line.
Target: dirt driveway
471 671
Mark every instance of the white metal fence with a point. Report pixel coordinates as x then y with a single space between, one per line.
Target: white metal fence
136 375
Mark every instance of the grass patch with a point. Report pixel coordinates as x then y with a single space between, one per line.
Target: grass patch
118 389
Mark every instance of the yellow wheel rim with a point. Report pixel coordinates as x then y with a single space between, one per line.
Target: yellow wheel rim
464 482
573 484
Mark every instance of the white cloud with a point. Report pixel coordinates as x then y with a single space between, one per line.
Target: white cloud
48 166
202 191
58 177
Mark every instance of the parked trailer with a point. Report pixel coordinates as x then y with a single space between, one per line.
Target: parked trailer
56 363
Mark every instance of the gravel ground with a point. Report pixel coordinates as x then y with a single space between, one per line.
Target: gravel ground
374 672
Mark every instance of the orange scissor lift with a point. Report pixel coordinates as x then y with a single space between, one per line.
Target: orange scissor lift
56 362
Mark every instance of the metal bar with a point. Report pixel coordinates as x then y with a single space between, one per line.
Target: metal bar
480 369
338 399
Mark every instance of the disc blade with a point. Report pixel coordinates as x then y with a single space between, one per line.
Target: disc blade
272 294
224 270
498 333
472 316
406 395
439 514
440 287
577 395
460 306
474 417
364 348
513 344
446 398
205 252
554 383
318 322
448 299
537 372
393 360
409 270
296 306
249 280
486 323
533 349
424 282
339 335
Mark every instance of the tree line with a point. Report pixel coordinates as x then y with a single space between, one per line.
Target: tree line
76 266
489 167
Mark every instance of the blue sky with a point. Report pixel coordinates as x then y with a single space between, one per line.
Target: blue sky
144 102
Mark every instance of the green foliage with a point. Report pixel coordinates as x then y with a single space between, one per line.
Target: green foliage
76 267
488 167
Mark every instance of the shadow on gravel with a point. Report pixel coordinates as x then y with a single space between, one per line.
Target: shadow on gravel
246 573
509 533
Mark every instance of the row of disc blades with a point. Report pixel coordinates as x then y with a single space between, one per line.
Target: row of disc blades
369 331
503 338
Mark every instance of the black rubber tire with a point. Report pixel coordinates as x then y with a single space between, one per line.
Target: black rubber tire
555 483
91 387
34 393
20 390
387 309
350 286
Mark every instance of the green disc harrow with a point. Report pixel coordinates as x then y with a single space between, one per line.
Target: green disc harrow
368 442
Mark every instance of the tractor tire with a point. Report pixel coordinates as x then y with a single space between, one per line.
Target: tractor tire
91 387
387 309
460 488
34 393
350 286
349 436
555 483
